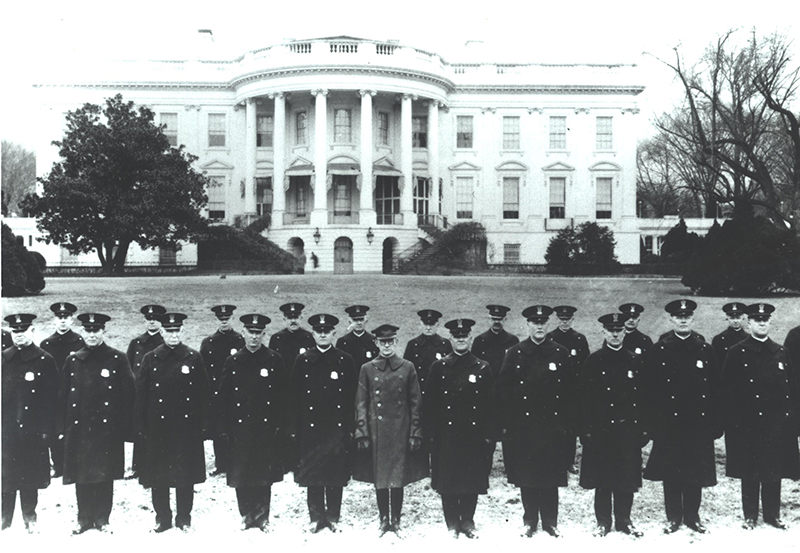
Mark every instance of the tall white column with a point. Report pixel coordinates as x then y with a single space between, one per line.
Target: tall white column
433 155
320 153
366 206
250 159
406 163
278 160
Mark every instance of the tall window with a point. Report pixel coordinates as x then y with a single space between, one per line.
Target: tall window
422 192
170 123
342 130
216 130
342 195
604 197
301 128
511 253
299 191
605 137
511 133
263 195
510 197
558 133
383 128
419 132
464 131
387 200
558 203
265 127
464 199
216 198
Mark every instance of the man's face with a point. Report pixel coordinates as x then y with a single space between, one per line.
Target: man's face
614 336
63 322
292 322
682 324
22 338
387 346
224 324
537 330
358 324
632 323
461 344
253 337
324 337
497 323
152 325
93 337
736 322
172 336
429 329
760 328
565 323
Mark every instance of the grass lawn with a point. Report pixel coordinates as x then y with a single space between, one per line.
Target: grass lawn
393 299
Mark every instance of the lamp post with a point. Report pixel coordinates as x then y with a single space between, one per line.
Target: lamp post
370 235
317 236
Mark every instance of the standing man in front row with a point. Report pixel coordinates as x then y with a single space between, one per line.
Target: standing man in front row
95 410
172 399
320 419
249 409
30 389
458 418
684 417
358 343
761 386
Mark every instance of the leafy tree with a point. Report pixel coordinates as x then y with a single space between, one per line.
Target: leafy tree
679 243
22 271
118 182
589 244
18 175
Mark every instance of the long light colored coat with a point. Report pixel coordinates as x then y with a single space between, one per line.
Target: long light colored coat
388 411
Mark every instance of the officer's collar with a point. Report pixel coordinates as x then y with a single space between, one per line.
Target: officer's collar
762 340
324 350
612 348
682 337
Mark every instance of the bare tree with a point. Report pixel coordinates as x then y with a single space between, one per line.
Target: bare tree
18 175
660 187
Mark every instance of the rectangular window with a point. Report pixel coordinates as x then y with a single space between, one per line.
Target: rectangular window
170 123
301 128
510 197
419 132
383 128
300 190
342 195
511 133
265 126
464 199
341 126
558 190
216 198
216 130
387 200
464 131
604 197
263 195
605 136
511 253
422 190
558 133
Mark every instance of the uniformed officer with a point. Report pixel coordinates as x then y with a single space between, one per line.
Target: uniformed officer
8 341
95 410
428 347
388 428
320 419
172 399
458 418
735 333
491 345
249 409
60 344
611 427
635 340
137 349
684 416
30 389
761 386
215 349
792 344
358 343
292 340
534 394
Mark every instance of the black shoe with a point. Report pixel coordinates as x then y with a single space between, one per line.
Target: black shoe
80 529
385 527
162 527
672 527
315 527
601 531
529 531
104 528
185 528
469 533
552 530
749 524
697 527
332 525
396 528
630 530
776 523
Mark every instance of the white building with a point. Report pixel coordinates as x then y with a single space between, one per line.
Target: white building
356 145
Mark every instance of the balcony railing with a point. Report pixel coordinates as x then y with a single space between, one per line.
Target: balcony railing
343 218
295 218
432 219
390 219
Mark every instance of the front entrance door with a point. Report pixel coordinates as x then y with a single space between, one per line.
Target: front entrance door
343 256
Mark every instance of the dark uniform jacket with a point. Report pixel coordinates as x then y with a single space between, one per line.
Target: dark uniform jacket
684 411
388 413
95 411
30 390
458 416
637 342
172 401
8 341
611 424
215 349
141 346
792 344
725 340
61 345
535 403
491 347
291 344
361 348
321 416
761 386
250 405
423 351
575 343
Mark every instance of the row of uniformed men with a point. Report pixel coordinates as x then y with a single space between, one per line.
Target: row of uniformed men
530 404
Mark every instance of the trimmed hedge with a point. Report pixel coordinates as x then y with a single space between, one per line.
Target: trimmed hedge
223 246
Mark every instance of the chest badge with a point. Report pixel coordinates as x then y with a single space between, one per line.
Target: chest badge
334 375
29 376
438 356
473 378
233 350
369 355
302 350
104 373
573 353
185 369
780 365
638 351
630 374
264 372
699 363
552 366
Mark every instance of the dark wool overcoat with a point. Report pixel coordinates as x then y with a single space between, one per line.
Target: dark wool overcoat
321 416
61 345
792 344
30 390
761 386
725 340
141 346
249 407
172 402
291 344
637 342
215 349
361 348
423 351
388 413
611 424
535 395
458 416
95 412
8 341
574 342
683 410
492 346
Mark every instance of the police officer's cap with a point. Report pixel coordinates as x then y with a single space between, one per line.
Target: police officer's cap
63 308
564 311
429 316
153 311
680 307
254 321
537 313
323 322
459 327
20 322
292 309
93 321
734 308
760 311
385 332
357 311
497 311
614 321
172 320
631 309
223 312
